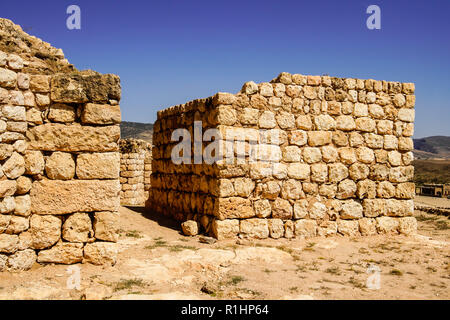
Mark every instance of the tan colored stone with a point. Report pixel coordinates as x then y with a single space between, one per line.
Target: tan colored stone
9 243
45 231
304 122
40 83
405 190
98 165
337 172
401 174
8 78
289 231
348 227
367 226
61 197
22 205
407 225
244 186
225 229
77 228
248 116
305 228
319 138
233 207
312 155
7 205
399 208
281 209
100 253
347 155
34 162
7 188
300 171
276 228
262 208
61 113
346 189
62 252
189 228
254 228
298 137
60 137
358 171
351 209
21 260
60 166
23 185
14 167
319 172
17 225
285 120
387 225
292 189
267 120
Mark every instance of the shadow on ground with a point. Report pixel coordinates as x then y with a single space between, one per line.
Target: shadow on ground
158 218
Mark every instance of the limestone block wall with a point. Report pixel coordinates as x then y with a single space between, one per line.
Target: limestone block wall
303 156
135 171
59 156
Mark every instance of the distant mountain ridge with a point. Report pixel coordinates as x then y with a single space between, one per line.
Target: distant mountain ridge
136 130
434 147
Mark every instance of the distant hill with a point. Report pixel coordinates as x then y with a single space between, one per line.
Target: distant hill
136 130
435 147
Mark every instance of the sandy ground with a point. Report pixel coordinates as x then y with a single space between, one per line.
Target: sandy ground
433 201
157 262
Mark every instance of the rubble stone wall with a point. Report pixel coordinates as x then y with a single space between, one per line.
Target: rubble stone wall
135 170
313 155
59 156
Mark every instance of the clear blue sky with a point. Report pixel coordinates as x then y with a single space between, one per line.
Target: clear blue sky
169 52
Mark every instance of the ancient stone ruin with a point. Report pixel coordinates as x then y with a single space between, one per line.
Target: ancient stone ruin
300 156
135 171
59 156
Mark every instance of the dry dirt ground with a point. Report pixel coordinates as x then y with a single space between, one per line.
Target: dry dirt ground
432 201
157 262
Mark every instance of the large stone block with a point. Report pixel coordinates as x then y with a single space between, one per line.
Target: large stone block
100 253
100 114
254 228
21 260
80 87
61 197
225 229
77 228
74 137
233 207
106 226
45 231
98 165
62 252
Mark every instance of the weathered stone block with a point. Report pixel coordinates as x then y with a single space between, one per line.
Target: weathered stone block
73 138
100 114
100 253
61 197
98 165
62 252
255 228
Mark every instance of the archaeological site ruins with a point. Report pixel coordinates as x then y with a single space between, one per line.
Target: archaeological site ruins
59 153
300 156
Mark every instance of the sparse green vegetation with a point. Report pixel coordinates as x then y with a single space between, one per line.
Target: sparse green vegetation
236 279
134 234
128 284
396 272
